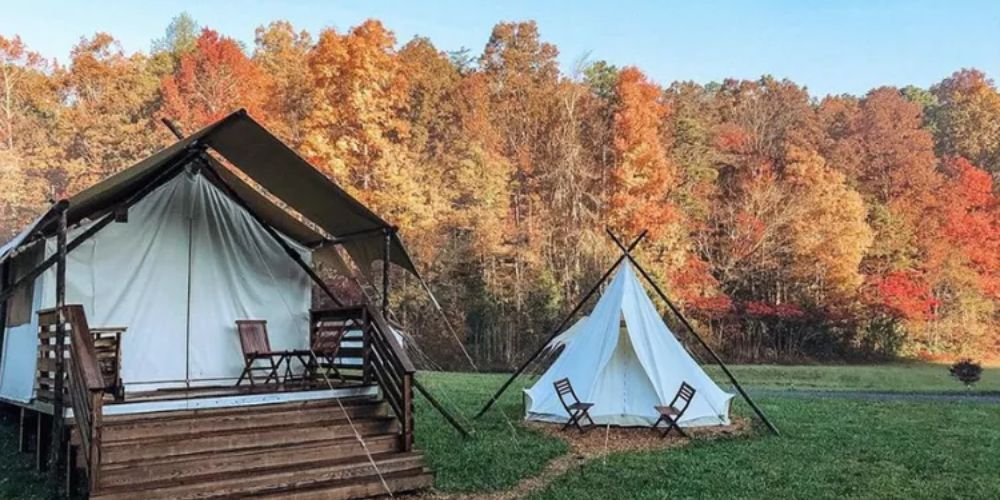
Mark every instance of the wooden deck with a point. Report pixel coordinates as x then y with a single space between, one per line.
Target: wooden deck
315 436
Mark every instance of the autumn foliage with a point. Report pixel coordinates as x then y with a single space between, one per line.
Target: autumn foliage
786 225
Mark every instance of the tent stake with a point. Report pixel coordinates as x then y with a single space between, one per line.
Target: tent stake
691 329
557 330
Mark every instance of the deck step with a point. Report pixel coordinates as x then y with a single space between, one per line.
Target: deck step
284 481
257 409
192 425
212 464
284 435
304 449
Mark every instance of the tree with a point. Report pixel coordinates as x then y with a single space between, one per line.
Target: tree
642 175
356 129
967 118
213 80
26 95
602 78
180 38
282 53
107 123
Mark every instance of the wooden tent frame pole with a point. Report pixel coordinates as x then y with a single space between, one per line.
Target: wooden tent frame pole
294 255
557 330
691 329
386 254
315 277
56 451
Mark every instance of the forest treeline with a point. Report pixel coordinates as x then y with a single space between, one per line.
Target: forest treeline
785 225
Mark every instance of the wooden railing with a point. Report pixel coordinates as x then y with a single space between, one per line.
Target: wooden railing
383 360
85 383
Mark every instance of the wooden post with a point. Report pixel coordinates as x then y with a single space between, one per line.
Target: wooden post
387 247
58 399
43 435
557 329
24 430
684 321
366 347
407 415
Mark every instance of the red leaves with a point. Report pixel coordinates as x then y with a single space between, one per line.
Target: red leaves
762 309
906 296
213 80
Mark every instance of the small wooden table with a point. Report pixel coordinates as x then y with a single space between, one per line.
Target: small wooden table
305 357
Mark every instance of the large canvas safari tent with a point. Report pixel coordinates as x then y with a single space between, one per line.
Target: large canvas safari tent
170 254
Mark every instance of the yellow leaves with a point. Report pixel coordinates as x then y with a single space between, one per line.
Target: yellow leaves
828 232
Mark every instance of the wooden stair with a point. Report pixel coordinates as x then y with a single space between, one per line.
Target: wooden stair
285 450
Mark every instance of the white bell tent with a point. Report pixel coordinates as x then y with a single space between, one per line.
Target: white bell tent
624 360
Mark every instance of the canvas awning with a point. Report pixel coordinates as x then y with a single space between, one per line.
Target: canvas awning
274 166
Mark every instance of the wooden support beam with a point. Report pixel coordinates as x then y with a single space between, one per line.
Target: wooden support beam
58 399
291 252
684 321
557 330
24 430
386 253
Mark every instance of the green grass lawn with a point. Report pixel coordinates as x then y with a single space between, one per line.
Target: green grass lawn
896 377
829 448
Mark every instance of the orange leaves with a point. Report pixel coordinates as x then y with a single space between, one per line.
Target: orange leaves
766 209
642 176
907 296
213 80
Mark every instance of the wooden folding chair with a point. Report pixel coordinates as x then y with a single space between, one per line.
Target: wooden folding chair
326 346
671 414
576 409
256 347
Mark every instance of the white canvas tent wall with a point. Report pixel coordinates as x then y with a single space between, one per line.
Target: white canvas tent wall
628 371
186 265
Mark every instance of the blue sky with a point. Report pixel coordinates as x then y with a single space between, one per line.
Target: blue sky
831 47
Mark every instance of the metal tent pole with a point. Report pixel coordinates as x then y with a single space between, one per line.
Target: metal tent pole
684 321
557 330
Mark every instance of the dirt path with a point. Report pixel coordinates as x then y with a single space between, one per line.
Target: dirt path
973 397
596 444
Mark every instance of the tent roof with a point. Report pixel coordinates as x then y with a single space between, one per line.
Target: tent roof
275 167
